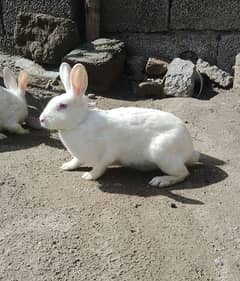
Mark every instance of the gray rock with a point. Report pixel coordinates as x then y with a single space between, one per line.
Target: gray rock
214 73
151 88
135 67
104 60
237 60
7 60
39 76
156 67
36 69
43 38
91 96
134 16
236 82
205 15
180 77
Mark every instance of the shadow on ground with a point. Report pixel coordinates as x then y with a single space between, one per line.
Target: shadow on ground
34 138
121 180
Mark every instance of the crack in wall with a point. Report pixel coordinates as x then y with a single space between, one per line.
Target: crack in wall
78 15
1 19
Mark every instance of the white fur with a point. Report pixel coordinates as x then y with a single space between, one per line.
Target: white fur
139 137
13 106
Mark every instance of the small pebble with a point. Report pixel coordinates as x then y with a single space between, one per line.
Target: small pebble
138 205
218 261
173 205
76 261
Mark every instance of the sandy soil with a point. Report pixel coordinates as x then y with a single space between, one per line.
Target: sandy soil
56 226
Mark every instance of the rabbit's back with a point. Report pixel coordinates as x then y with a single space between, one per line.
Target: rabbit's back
139 134
144 119
11 107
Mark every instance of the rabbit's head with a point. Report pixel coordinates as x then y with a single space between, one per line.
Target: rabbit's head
13 105
69 109
17 88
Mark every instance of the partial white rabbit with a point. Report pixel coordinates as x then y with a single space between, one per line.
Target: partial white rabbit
13 106
139 137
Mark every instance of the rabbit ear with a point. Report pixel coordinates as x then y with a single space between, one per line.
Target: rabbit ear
64 71
79 79
22 81
9 79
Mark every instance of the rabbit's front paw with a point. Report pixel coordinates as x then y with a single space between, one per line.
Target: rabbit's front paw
71 165
95 173
88 176
165 181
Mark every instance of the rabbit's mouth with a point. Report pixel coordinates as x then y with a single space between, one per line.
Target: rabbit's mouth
44 121
50 123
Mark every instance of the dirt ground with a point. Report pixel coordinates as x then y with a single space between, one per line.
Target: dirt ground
56 226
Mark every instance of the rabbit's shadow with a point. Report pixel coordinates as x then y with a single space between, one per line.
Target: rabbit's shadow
121 180
15 142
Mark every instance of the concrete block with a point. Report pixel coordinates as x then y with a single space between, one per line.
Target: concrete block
205 15
171 45
134 16
228 48
71 9
7 44
57 8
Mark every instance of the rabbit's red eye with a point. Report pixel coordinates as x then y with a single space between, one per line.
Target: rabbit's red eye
62 106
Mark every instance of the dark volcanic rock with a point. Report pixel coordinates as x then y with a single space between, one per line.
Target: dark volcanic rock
104 60
43 38
151 88
156 67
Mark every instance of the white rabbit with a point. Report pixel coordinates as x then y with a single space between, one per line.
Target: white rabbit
13 106
139 137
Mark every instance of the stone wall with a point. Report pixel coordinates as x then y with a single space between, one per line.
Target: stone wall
163 28
169 28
